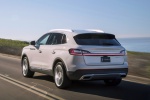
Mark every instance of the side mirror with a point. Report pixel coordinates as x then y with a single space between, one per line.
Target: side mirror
32 43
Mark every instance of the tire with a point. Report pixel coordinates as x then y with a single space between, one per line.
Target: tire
60 76
26 72
113 82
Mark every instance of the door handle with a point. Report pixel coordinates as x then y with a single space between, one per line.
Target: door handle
40 51
53 52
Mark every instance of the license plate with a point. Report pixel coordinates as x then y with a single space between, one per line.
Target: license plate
105 59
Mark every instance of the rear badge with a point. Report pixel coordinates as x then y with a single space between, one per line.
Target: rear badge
105 59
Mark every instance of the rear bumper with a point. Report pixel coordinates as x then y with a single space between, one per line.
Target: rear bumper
97 74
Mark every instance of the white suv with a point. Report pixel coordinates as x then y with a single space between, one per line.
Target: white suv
69 55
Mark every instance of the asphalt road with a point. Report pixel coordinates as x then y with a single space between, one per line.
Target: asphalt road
13 86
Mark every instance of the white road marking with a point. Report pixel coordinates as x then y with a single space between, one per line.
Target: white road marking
37 84
32 89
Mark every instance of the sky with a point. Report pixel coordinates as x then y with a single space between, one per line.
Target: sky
30 19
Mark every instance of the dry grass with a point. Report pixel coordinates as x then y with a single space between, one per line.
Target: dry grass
139 64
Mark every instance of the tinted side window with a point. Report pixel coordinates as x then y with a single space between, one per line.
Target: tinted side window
57 38
96 39
43 40
64 39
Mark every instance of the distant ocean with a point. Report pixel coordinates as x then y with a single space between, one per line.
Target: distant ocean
136 44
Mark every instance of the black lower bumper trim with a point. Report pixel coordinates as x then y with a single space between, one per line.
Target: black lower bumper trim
99 73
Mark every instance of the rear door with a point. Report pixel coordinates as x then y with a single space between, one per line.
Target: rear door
53 48
103 49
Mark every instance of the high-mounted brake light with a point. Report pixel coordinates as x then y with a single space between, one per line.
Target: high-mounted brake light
78 52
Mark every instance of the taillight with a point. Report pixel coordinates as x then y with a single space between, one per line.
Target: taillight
123 52
78 52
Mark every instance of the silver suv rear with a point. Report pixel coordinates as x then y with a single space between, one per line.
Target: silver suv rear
76 55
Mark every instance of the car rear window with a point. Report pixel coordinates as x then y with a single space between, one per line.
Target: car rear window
96 39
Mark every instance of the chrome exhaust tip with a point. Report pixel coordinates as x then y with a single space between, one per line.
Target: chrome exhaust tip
86 77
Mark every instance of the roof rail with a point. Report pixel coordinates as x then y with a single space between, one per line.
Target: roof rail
95 30
69 30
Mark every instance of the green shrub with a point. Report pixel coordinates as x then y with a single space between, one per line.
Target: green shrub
12 43
13 47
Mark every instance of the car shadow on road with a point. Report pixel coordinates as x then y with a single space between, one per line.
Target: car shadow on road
44 77
125 91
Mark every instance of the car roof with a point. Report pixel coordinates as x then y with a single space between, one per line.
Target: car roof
75 31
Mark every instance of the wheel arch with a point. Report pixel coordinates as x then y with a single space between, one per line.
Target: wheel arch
58 59
24 55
